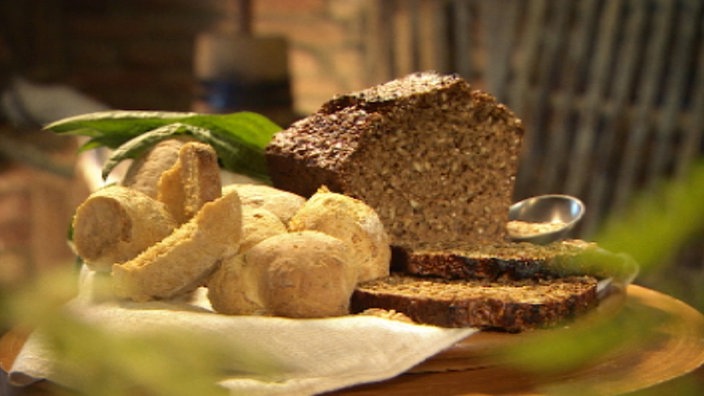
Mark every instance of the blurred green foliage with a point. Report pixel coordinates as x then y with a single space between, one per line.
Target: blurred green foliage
652 230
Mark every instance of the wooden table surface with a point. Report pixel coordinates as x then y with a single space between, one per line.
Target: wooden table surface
672 349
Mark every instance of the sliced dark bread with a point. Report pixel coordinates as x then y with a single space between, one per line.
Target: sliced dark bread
512 261
511 306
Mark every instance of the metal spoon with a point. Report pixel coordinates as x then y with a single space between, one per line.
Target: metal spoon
544 218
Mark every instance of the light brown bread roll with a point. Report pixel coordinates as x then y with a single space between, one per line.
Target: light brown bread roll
309 274
351 221
183 260
115 224
233 289
281 203
258 224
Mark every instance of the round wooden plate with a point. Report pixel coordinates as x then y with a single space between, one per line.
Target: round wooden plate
671 348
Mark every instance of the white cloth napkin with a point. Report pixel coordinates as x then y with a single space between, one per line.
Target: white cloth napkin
313 355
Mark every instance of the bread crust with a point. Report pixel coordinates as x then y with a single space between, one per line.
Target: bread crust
258 224
514 261
306 274
511 306
183 260
351 221
234 288
116 223
144 172
435 159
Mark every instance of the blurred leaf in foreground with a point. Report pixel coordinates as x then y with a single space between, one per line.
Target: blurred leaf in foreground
97 362
657 224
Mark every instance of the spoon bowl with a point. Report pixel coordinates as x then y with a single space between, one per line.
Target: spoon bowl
544 218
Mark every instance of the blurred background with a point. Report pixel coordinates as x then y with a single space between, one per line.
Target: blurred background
611 91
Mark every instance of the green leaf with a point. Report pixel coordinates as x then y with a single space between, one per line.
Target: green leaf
142 143
112 128
245 127
114 121
233 154
238 138
658 221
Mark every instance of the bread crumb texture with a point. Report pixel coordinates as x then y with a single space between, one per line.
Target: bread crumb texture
506 305
115 224
183 260
434 158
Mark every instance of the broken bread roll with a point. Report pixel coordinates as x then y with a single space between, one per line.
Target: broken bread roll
144 172
283 204
115 224
193 180
351 221
305 274
182 261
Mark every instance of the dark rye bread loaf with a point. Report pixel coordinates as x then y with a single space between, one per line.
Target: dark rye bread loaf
434 158
513 261
511 306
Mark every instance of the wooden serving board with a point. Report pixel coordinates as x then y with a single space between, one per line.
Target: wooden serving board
673 348
475 366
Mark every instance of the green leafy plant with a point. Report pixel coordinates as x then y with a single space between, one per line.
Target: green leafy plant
238 138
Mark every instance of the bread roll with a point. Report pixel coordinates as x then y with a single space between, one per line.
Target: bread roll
115 224
351 221
184 259
258 224
303 274
281 203
233 289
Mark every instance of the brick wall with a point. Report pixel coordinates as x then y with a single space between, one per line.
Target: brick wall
138 54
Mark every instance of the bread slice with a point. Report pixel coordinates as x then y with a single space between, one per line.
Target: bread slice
514 261
510 261
511 306
433 157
